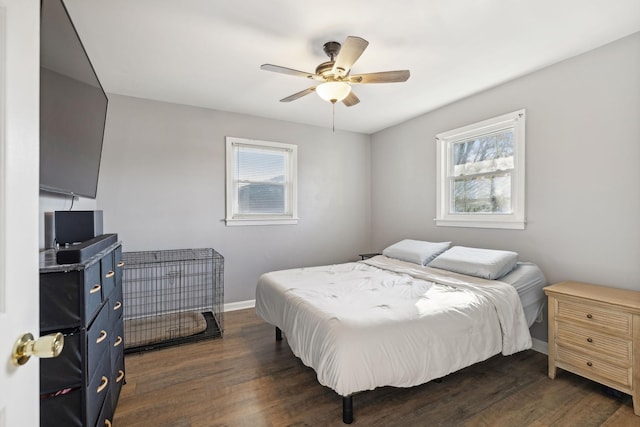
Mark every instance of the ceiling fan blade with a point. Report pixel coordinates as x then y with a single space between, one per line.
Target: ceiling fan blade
351 100
349 53
381 77
290 71
298 94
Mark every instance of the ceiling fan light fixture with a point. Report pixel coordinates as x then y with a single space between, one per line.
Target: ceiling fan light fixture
333 91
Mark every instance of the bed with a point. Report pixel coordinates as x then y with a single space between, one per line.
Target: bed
405 317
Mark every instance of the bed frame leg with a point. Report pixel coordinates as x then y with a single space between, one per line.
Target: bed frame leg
278 334
347 409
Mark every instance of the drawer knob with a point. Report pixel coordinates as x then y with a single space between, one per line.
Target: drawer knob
589 364
121 264
107 423
102 336
120 375
110 274
117 306
589 316
96 288
118 341
589 339
103 384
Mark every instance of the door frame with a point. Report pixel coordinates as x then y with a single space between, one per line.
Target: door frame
19 211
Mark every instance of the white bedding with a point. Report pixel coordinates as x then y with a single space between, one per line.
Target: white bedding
385 322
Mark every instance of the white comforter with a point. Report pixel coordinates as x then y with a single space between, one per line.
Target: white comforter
384 322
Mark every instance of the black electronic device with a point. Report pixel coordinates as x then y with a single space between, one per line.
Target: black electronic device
83 251
72 227
73 107
49 230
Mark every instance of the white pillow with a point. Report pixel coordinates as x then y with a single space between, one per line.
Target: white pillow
416 251
486 263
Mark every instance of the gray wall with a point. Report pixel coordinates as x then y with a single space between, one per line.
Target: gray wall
582 174
162 186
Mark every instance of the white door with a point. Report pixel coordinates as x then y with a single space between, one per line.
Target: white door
19 160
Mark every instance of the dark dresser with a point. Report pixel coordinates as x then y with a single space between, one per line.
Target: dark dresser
83 300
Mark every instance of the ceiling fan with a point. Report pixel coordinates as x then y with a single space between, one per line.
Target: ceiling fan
334 78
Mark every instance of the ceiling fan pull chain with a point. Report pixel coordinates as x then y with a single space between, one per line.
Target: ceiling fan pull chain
333 118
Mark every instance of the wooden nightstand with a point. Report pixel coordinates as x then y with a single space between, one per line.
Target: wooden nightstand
594 331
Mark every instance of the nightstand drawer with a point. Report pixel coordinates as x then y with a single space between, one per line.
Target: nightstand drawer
596 316
594 368
615 349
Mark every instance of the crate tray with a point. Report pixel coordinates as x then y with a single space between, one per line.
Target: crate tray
147 331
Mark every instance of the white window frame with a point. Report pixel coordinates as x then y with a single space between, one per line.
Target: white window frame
234 218
444 165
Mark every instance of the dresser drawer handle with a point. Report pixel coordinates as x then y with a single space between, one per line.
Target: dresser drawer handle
117 306
118 341
589 339
96 288
110 274
589 364
103 384
589 316
120 375
102 337
107 423
121 264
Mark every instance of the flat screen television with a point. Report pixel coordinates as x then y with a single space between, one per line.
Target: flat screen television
73 107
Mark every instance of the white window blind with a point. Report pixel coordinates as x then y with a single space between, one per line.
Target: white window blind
261 182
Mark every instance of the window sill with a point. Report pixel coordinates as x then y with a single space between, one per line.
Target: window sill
512 224
254 221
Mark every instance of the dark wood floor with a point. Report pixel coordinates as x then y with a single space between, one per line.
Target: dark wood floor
249 379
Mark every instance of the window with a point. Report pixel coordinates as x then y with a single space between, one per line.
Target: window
480 174
261 182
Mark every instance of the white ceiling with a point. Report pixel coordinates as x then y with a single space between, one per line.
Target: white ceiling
208 53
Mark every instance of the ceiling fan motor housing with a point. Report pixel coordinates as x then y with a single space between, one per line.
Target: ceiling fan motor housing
332 49
325 69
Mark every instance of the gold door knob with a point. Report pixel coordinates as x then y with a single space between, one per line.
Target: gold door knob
47 346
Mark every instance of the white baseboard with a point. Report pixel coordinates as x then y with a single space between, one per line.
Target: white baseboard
240 305
540 346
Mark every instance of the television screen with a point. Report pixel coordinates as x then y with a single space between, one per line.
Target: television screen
73 107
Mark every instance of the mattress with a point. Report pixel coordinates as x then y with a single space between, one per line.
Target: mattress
528 280
385 322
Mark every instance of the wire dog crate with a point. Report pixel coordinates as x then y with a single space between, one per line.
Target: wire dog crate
172 297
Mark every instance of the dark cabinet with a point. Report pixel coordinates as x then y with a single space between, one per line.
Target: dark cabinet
84 302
